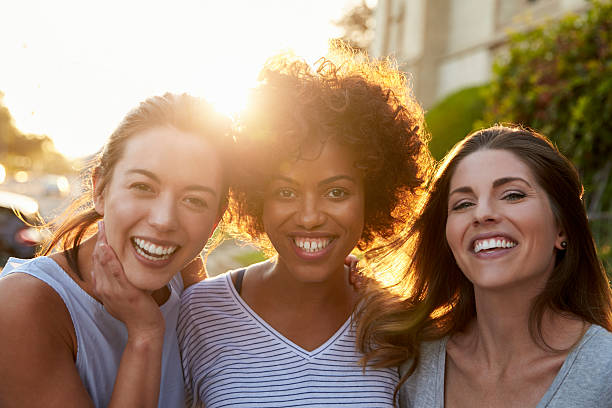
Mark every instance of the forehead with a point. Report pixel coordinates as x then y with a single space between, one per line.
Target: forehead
488 165
321 160
175 153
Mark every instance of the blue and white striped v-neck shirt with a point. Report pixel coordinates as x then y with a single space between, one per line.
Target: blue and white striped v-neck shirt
233 358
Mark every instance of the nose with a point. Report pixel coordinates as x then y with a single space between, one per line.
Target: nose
163 214
485 213
310 214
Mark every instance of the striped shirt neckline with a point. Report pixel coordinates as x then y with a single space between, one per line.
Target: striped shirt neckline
268 328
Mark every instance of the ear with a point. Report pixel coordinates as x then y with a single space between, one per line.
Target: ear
98 192
561 238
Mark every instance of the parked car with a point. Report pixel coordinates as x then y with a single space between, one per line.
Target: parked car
17 238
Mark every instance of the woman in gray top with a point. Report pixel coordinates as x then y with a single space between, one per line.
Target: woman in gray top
506 302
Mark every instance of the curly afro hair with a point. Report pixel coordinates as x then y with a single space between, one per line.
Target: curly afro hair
358 102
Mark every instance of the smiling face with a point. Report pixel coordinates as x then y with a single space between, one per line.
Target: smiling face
314 213
500 225
161 203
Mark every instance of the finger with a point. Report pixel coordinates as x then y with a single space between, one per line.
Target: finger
98 254
351 261
109 261
114 271
355 277
102 231
101 236
352 276
106 268
107 256
93 277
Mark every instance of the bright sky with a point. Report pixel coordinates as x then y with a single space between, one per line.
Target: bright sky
72 68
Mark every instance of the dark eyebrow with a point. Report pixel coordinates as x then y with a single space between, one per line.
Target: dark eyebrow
194 187
496 183
461 190
505 180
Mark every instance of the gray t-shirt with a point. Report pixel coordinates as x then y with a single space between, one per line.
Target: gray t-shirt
584 380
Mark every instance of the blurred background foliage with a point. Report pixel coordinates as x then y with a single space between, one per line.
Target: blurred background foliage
28 152
557 79
451 119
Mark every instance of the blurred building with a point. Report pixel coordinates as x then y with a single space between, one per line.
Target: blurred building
447 45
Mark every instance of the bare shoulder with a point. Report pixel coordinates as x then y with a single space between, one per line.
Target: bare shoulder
26 300
33 312
37 339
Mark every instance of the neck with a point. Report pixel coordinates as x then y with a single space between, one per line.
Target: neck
333 291
500 333
502 325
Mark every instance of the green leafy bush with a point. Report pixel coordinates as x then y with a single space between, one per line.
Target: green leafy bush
557 79
453 118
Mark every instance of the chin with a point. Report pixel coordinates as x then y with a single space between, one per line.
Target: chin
148 283
313 274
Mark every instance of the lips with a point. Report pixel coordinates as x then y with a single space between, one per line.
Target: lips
153 251
492 243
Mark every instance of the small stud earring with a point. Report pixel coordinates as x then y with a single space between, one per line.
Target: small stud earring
563 244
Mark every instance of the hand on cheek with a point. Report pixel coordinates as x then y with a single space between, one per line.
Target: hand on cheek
134 307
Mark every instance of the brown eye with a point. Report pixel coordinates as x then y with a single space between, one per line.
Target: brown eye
337 193
285 193
142 187
196 202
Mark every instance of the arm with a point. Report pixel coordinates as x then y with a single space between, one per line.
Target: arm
37 347
139 375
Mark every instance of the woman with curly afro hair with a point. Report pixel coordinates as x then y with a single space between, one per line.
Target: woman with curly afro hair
331 159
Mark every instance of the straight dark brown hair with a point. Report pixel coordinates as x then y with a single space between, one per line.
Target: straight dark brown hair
437 300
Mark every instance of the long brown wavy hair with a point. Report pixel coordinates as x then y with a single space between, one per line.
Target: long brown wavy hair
437 300
363 104
181 111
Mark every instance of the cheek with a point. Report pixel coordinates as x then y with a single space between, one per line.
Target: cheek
273 214
353 216
117 219
120 209
201 228
544 230
453 235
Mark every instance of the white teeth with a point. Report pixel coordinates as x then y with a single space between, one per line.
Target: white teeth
152 251
311 245
485 244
